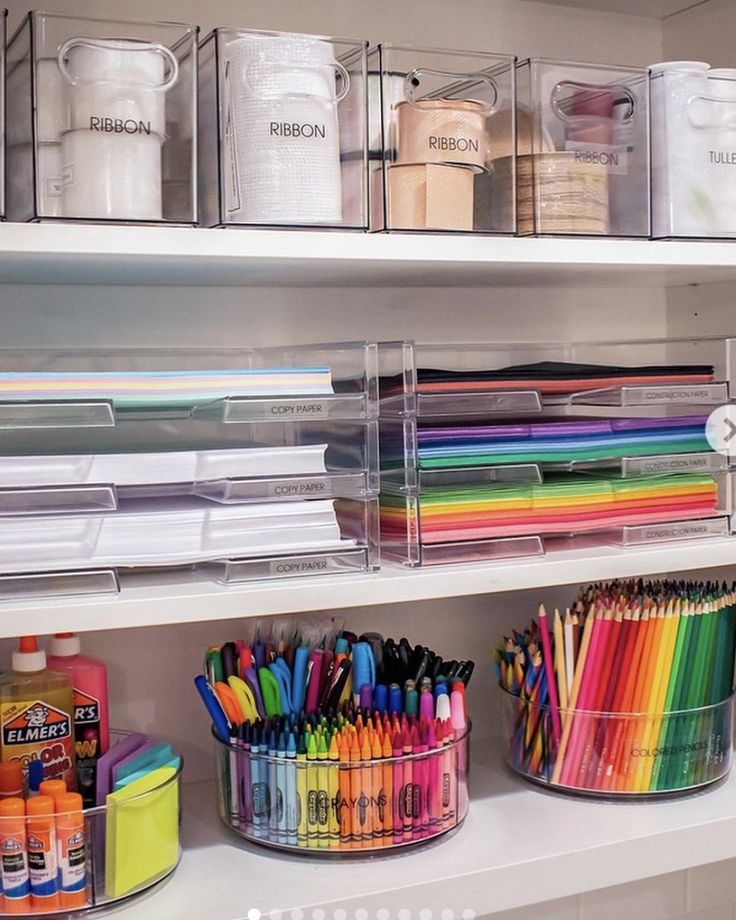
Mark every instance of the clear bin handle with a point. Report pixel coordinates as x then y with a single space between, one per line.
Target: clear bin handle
708 123
560 101
343 86
167 54
464 83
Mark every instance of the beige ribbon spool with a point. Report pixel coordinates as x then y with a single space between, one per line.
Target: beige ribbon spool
430 196
443 131
555 194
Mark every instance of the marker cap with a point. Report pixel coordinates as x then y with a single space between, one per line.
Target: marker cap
29 656
11 778
35 775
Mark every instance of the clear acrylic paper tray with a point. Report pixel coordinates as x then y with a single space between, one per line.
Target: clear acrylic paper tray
403 392
619 754
99 388
408 538
237 542
128 847
343 809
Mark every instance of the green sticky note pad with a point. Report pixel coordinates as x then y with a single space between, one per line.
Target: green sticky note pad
142 832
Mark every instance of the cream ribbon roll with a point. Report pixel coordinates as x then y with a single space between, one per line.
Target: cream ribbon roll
442 131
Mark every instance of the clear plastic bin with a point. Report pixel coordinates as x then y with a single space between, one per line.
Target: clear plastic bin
182 531
509 379
101 120
467 520
619 754
583 150
693 142
3 29
115 851
442 122
324 808
282 130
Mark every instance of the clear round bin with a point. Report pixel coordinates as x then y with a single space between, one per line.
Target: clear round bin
110 853
619 754
328 808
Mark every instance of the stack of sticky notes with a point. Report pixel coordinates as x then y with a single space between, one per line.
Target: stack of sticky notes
137 781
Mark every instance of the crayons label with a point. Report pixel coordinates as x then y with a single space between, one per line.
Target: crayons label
34 730
614 159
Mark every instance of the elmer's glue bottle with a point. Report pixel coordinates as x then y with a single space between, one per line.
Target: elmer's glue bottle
91 726
36 714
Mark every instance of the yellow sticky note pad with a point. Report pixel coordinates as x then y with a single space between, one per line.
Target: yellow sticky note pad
142 832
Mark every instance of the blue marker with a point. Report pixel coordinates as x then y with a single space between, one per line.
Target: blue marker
394 699
380 698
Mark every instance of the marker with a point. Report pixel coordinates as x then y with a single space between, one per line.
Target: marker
43 866
394 699
35 777
13 859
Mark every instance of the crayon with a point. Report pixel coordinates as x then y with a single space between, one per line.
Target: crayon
323 794
333 780
302 793
312 793
291 808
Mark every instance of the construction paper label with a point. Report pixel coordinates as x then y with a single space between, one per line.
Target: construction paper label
72 859
680 394
34 730
312 566
615 159
301 488
676 464
86 743
679 531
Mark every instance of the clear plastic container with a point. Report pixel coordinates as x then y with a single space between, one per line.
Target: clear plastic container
417 530
356 808
101 120
126 847
497 379
3 30
282 130
441 123
693 143
618 754
583 150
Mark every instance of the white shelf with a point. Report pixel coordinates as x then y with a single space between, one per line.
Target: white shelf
88 254
659 9
496 861
156 600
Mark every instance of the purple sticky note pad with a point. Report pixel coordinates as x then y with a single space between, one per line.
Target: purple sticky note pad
123 749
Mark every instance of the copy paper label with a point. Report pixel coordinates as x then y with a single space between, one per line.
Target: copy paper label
301 488
312 566
614 159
